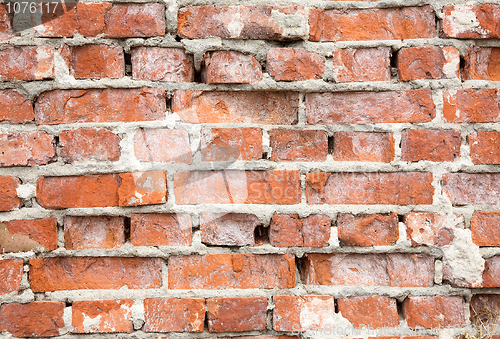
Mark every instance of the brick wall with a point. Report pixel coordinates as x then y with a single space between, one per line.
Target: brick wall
258 169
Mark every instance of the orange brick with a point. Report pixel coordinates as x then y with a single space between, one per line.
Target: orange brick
472 188
484 228
160 229
362 64
230 67
6 29
26 63
15 108
27 149
231 144
8 193
294 64
471 105
11 274
428 62
236 314
303 313
94 61
174 315
432 229
430 145
298 145
483 19
484 147
162 145
372 312
434 312
35 319
89 144
363 146
162 64
228 229
104 316
368 229
290 230
93 232
28 235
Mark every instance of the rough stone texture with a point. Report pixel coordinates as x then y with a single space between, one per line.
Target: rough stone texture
236 314
76 273
231 144
11 273
26 63
484 147
162 145
27 235
174 315
102 316
363 146
27 149
484 308
290 230
8 195
35 319
491 274
403 188
15 108
94 61
230 67
93 232
162 64
303 313
373 312
481 63
472 188
241 271
368 229
236 107
157 229
430 145
370 108
471 105
434 312
228 229
394 269
89 144
429 62
485 228
362 64
293 145
294 64
469 21
432 229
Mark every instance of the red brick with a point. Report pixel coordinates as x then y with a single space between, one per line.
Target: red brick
162 145
394 269
372 24
94 61
160 229
471 105
162 64
294 64
231 144
371 312
265 337
101 190
89 144
237 187
26 63
368 229
472 188
93 232
481 63
226 67
362 64
16 107
363 146
6 29
491 274
298 145
11 274
484 147
236 107
240 271
428 62
8 193
399 188
430 145
242 22
112 20
102 316
434 312
432 229
76 273
236 314
100 105
27 149
485 229
228 229
370 108
290 230
35 319
28 235
303 313
174 315
484 309
468 21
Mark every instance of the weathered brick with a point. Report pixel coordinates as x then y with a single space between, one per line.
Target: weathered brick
101 190
363 146
242 22
266 337
484 309
471 105
469 21
35 319
160 229
394 269
432 229
26 63
400 188
491 274
371 312
93 232
16 107
76 273
368 229
430 145
162 145
362 64
302 313
11 274
428 62
241 271
372 24
100 105
472 188
236 314
298 145
102 316
237 187
484 147
174 315
8 193
89 144
236 107
94 61
27 149
6 29
231 144
481 63
226 67
228 229
484 228
294 64
290 230
28 235
369 108
162 64
434 312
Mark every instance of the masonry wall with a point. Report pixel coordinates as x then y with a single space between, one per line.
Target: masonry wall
252 169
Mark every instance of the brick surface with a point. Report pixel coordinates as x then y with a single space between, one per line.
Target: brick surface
472 188
430 145
481 63
6 29
26 63
295 145
89 144
434 312
27 235
162 145
432 229
93 232
236 314
15 108
227 67
11 274
94 61
174 315
35 319
162 64
484 308
483 20
491 274
8 194
368 229
372 312
302 313
429 62
228 229
471 105
27 149
294 64
290 230
102 316
484 228
157 229
231 144
363 64
363 146
484 147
